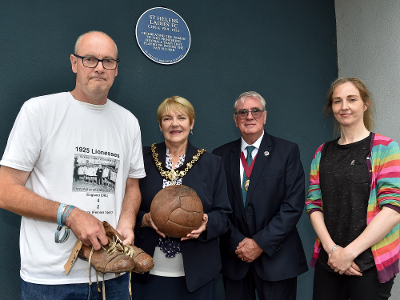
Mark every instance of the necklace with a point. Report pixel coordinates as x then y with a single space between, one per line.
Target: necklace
177 173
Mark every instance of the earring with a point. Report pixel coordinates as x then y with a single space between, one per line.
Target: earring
191 132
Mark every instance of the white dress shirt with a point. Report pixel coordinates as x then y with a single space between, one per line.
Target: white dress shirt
256 144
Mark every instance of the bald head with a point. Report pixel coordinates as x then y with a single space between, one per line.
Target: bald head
92 33
93 83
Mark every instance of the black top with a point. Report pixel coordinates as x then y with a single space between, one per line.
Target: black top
345 188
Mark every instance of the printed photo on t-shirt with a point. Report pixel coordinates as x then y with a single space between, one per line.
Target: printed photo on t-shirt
94 174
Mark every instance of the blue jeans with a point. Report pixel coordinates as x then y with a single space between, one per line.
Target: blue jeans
116 289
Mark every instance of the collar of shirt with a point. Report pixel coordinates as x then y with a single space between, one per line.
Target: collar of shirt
256 144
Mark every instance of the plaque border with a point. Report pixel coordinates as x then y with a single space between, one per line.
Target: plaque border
150 56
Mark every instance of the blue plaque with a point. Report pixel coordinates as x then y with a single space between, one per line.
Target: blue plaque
163 35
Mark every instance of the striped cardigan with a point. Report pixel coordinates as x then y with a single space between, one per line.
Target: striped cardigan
384 167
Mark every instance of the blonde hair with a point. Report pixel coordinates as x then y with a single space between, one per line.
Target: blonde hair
366 97
176 103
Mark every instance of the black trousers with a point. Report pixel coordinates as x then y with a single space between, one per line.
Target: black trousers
245 289
170 288
333 286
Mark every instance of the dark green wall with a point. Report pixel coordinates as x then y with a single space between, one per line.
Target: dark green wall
283 49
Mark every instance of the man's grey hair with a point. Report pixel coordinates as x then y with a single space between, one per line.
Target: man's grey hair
83 34
252 94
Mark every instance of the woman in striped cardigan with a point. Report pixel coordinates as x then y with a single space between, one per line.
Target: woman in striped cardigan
354 202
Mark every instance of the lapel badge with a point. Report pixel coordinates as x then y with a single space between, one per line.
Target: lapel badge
266 153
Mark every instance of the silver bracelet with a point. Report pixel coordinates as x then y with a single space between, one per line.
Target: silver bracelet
334 247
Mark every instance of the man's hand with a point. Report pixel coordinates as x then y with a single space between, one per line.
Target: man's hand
87 228
130 207
248 250
128 235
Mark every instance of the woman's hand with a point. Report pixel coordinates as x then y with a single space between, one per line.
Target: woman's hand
147 221
340 260
196 233
353 270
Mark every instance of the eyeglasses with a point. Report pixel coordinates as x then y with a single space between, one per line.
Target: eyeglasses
243 113
92 62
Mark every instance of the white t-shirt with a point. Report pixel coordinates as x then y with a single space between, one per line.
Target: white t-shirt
52 137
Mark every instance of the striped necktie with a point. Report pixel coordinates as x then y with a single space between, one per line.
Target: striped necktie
249 160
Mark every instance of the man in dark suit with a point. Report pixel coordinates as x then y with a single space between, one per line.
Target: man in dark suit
262 250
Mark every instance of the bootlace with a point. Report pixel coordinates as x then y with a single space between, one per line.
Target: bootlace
127 250
113 247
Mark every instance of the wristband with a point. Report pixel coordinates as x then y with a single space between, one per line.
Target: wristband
60 211
65 215
334 247
64 237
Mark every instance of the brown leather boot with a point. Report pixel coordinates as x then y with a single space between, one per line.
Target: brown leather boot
143 262
109 259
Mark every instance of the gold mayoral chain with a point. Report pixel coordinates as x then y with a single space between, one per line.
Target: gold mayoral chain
177 173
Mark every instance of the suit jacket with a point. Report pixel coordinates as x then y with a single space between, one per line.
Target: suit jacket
274 204
201 257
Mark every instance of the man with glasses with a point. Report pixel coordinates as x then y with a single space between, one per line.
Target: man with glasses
52 136
262 250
